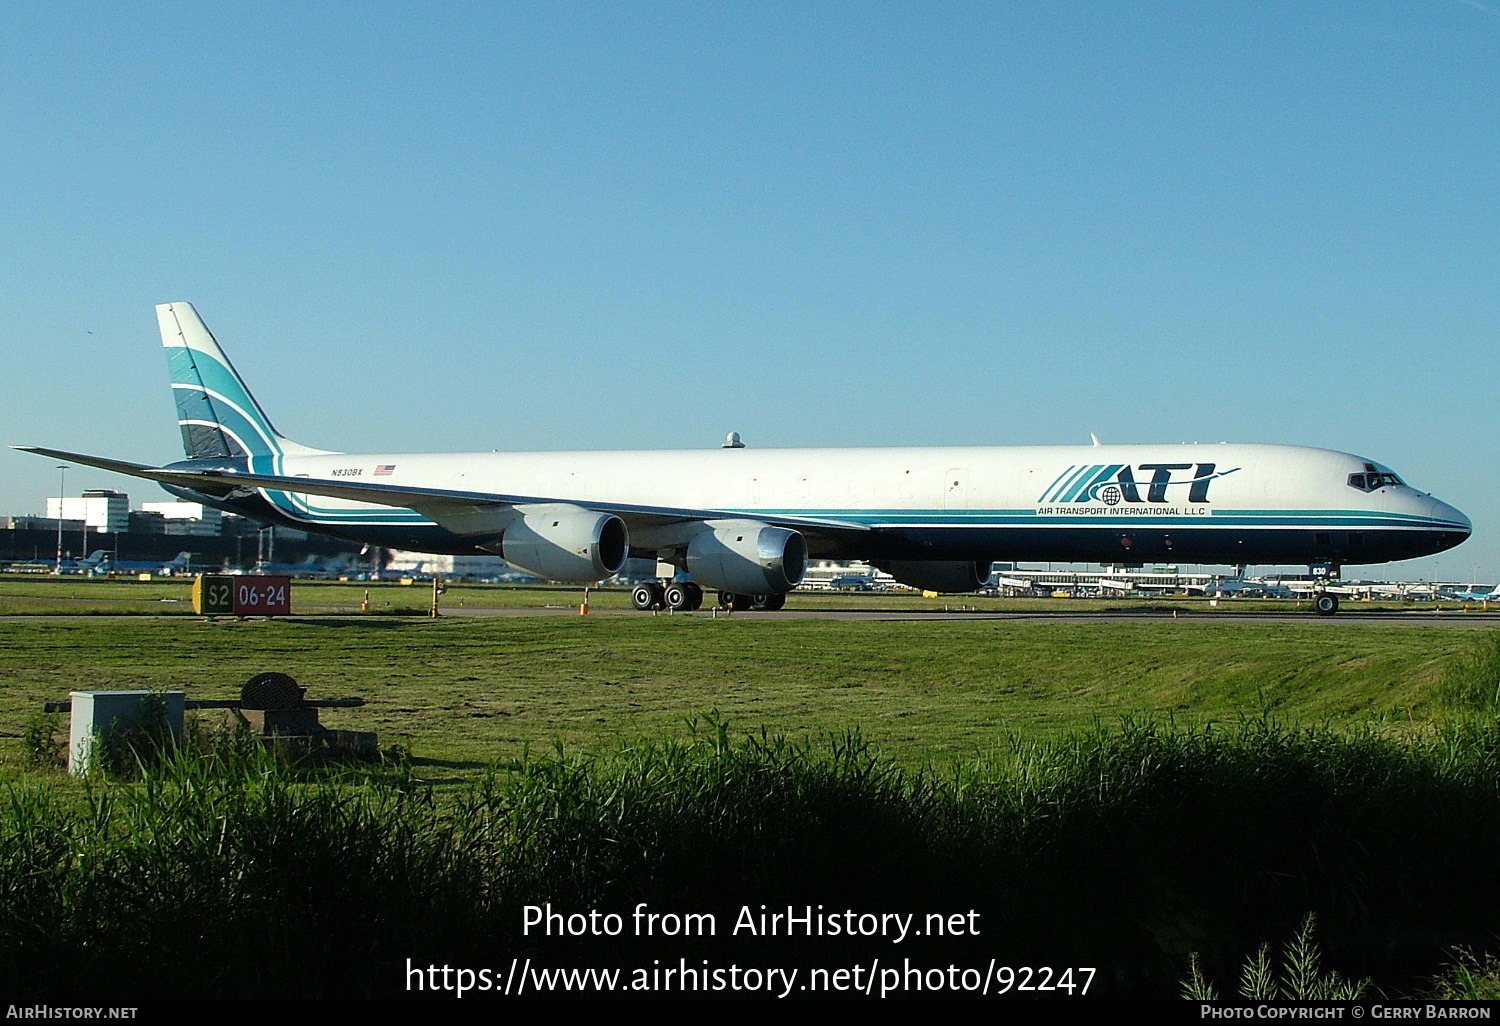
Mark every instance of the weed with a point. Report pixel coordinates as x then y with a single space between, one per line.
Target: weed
43 747
1299 977
1474 977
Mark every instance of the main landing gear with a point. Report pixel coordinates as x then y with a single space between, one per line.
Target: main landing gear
678 596
686 597
758 603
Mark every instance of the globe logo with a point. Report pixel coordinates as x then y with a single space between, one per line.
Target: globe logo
1110 495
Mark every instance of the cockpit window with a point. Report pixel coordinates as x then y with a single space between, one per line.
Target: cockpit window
1373 479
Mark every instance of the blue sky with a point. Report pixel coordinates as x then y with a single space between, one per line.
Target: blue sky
610 225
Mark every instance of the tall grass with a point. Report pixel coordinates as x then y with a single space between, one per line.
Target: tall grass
1470 978
219 877
1472 682
1125 848
1298 976
41 743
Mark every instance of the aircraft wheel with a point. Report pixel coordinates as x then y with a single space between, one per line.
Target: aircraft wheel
677 597
646 597
735 601
1326 604
695 596
769 603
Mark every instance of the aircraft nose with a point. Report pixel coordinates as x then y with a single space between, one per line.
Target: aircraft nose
1451 514
1456 526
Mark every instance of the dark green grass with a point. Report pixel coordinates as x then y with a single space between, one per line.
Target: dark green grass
1128 849
473 691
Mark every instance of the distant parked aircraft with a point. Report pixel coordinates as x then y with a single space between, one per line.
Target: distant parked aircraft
853 582
1493 595
311 566
179 564
94 562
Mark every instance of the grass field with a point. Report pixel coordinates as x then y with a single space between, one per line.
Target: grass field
472 690
1126 793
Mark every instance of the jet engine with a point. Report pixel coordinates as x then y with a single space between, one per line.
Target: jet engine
566 543
747 557
939 574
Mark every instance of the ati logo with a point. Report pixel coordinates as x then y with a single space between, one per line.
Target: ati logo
1114 483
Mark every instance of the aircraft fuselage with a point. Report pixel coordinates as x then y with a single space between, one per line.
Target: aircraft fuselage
1213 503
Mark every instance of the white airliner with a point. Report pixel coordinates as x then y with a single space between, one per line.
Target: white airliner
745 521
1475 595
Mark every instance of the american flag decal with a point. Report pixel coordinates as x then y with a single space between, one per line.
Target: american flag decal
385 470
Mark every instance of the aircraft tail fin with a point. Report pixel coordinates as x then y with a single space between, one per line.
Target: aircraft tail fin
216 412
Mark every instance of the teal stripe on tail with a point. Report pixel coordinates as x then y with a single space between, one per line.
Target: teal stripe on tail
216 412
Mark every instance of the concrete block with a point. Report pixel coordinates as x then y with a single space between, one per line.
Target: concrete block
97 714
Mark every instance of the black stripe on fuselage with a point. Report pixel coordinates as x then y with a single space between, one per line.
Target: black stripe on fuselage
1138 544
1223 546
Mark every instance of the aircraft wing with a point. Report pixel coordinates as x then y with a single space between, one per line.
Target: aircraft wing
460 511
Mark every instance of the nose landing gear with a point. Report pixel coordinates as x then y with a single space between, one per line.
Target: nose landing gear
1325 603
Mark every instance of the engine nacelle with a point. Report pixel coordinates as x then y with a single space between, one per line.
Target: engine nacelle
747 557
939 575
566 543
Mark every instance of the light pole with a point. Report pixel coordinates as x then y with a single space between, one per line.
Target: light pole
62 493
